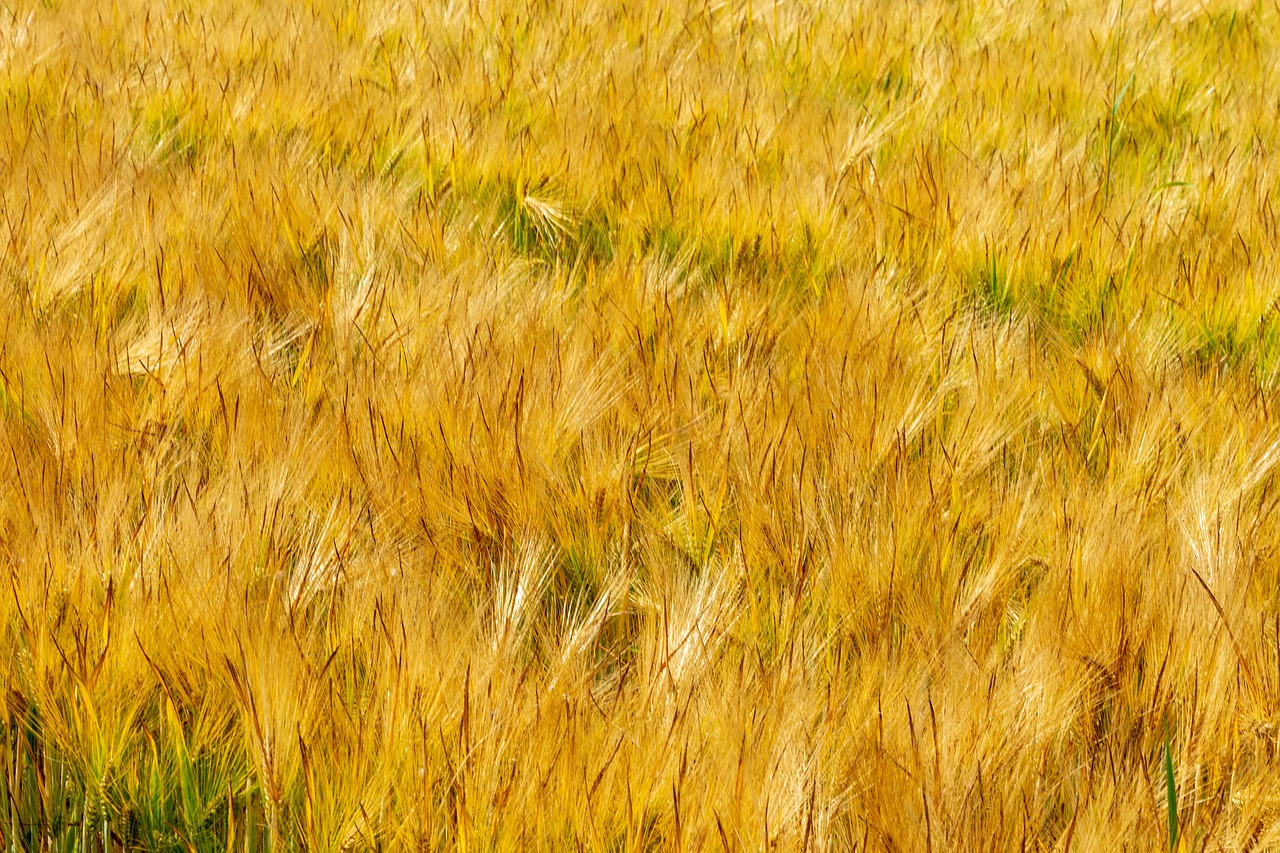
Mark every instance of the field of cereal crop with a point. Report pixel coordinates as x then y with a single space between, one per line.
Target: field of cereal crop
661 425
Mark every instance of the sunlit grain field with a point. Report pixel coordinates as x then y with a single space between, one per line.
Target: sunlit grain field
639 425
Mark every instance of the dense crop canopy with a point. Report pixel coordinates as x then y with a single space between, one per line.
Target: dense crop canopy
639 425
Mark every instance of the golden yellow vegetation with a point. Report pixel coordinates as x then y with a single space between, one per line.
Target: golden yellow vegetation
605 425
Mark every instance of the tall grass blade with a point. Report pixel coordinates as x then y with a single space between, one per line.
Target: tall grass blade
1171 795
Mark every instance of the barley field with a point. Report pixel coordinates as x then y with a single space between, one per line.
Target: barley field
662 425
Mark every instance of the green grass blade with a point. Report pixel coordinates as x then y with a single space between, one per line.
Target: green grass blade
1171 794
